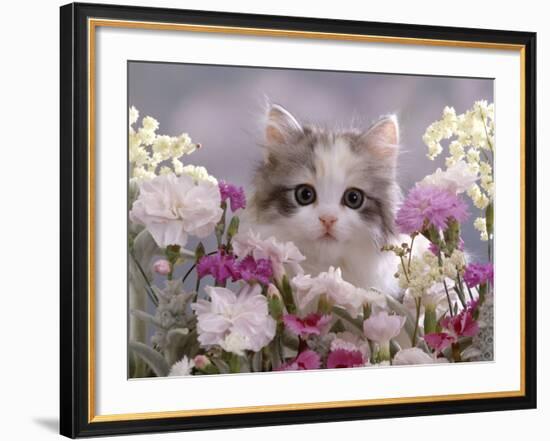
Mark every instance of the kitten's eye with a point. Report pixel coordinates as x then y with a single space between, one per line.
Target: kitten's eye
305 194
353 198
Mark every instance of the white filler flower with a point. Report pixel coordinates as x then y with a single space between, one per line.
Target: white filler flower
182 367
235 322
172 207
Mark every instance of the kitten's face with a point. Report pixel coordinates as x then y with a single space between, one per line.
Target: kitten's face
324 189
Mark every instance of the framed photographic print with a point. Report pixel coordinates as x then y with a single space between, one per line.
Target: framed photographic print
275 220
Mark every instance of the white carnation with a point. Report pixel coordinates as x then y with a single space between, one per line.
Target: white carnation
172 207
235 322
457 178
307 291
279 253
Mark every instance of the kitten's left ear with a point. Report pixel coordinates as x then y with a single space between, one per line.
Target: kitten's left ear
281 126
382 139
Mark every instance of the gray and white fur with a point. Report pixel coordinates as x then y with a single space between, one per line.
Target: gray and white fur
333 193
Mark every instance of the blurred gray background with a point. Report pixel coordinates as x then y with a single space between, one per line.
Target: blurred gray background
222 106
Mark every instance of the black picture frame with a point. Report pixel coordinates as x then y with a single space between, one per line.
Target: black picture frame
75 420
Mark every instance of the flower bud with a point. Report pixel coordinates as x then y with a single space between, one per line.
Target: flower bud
162 267
201 361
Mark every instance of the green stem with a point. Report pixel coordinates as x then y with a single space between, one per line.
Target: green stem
404 269
417 302
410 252
448 297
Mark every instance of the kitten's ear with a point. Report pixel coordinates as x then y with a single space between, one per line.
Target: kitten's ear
280 125
382 139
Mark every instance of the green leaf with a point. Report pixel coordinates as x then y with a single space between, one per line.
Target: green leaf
286 292
233 228
430 320
199 252
337 327
256 362
489 218
221 365
343 314
154 359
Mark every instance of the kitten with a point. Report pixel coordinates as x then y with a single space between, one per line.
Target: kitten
333 193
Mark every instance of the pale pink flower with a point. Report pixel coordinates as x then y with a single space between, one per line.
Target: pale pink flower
415 356
382 327
235 322
339 292
279 253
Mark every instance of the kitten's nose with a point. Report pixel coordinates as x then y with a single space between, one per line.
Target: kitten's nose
328 221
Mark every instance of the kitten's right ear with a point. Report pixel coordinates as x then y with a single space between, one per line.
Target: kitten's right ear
281 126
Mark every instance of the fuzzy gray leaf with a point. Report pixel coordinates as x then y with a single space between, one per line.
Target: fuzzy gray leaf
145 248
154 359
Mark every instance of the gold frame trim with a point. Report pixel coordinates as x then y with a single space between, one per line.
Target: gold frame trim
92 25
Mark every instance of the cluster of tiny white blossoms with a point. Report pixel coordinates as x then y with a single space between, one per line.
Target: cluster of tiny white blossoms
425 271
151 154
473 134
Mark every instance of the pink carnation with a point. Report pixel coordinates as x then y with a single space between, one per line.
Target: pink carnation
478 273
461 325
235 195
432 206
307 359
341 358
312 324
438 341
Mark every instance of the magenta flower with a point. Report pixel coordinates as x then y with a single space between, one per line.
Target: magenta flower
312 324
430 205
305 360
461 325
235 195
221 266
478 274
438 341
251 270
341 358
